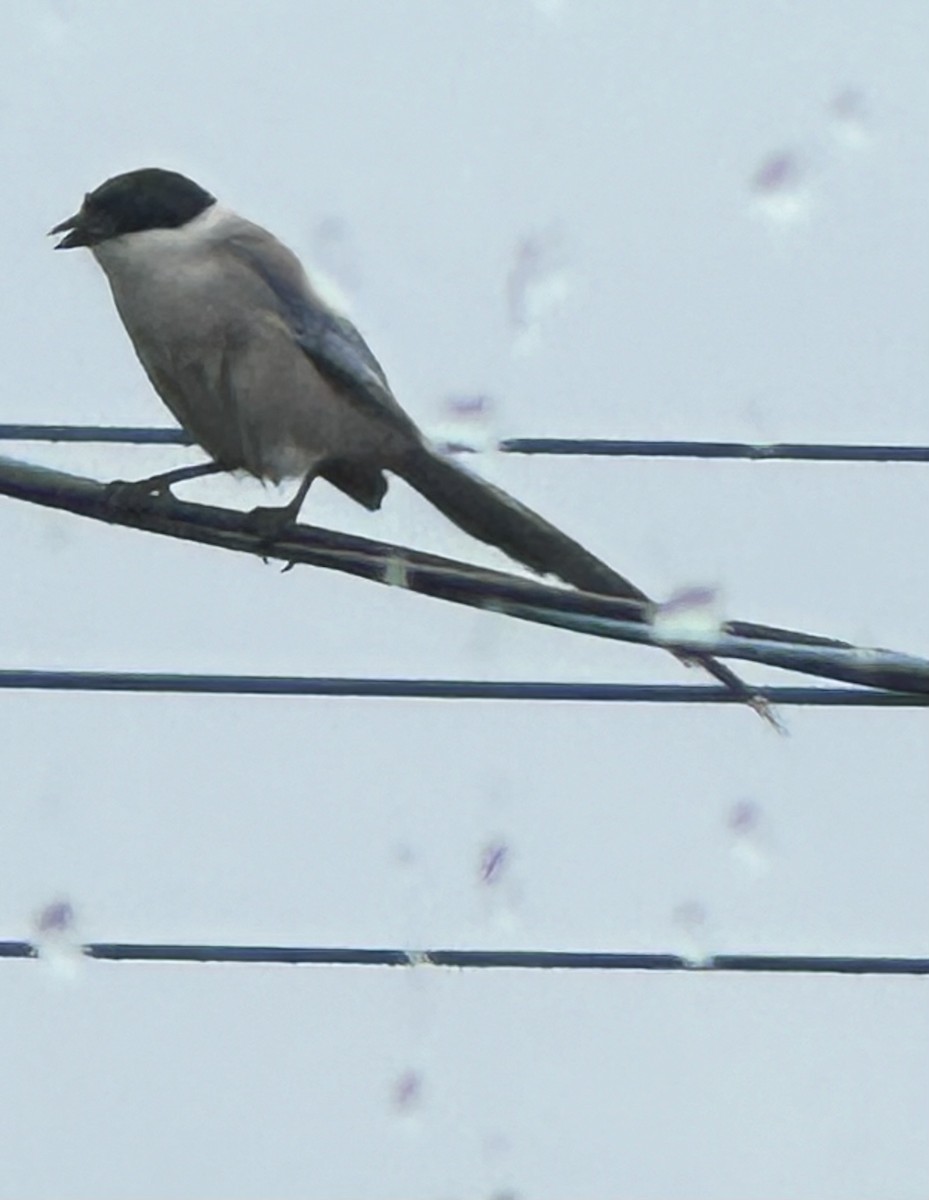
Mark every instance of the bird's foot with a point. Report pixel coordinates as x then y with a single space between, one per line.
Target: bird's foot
139 494
270 524
134 494
272 521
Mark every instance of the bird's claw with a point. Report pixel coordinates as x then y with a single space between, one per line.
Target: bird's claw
270 525
269 522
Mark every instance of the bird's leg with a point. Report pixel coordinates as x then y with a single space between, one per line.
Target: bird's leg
123 491
293 508
271 522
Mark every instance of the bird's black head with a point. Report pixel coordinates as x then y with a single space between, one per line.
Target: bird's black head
139 200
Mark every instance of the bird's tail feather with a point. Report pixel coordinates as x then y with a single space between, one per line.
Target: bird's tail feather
492 516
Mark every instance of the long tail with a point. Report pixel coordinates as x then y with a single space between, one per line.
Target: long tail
492 516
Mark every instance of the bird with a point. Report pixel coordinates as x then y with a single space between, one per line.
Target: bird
270 379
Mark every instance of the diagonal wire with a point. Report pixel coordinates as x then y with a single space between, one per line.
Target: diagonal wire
442 578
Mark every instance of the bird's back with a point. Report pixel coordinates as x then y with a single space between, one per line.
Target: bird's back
214 312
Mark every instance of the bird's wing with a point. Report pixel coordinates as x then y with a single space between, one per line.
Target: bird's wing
328 338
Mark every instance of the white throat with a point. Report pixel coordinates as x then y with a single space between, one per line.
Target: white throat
150 247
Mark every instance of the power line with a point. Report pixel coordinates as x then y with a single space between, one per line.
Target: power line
588 447
462 583
533 960
135 435
443 689
762 451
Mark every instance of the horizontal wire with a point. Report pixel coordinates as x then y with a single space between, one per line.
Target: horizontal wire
591 447
442 689
137 435
534 960
761 451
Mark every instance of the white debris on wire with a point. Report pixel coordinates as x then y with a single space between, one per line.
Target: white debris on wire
55 939
691 920
418 958
396 571
693 614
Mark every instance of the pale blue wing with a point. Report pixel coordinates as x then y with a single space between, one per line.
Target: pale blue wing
330 339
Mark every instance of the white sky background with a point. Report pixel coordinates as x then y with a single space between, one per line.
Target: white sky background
411 147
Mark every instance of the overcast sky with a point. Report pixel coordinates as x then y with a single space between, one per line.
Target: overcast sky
649 219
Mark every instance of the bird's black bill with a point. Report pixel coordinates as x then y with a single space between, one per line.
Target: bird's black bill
75 235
